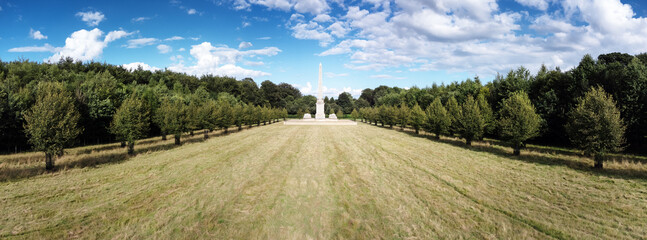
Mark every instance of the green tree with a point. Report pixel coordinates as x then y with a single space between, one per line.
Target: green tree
207 116
418 117
131 121
402 116
172 117
471 121
518 120
51 123
438 119
345 101
354 114
486 113
595 125
454 114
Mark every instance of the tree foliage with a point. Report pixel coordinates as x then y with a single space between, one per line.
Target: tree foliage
595 125
518 120
470 121
438 119
131 121
51 123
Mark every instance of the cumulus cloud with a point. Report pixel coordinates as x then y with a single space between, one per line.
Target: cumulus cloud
191 11
163 48
538 4
134 66
244 45
141 42
221 60
312 31
84 45
91 18
36 34
302 6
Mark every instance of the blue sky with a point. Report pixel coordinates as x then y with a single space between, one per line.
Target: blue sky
361 44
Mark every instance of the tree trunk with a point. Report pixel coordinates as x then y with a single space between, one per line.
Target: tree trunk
598 161
517 150
177 139
417 131
226 129
49 161
437 135
468 141
206 133
123 143
240 128
163 136
131 147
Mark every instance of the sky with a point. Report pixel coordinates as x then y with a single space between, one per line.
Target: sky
361 44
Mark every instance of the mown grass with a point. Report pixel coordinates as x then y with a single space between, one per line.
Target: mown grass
330 182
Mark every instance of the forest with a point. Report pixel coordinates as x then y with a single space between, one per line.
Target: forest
98 91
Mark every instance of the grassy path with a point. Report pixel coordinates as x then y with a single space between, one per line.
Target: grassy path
324 182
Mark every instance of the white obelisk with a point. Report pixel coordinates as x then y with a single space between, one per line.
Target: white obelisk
320 114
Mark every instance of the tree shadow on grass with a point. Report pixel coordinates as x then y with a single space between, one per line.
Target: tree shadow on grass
96 156
540 156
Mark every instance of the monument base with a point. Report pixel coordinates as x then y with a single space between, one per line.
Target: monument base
328 122
320 114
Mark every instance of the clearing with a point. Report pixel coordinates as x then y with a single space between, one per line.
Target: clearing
357 182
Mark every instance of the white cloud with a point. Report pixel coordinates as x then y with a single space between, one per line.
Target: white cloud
221 60
302 6
91 18
84 45
134 66
163 48
176 58
44 48
259 63
174 38
246 24
312 31
322 18
243 45
191 11
140 19
181 50
264 38
36 34
539 4
141 42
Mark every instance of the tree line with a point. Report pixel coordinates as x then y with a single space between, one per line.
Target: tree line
594 125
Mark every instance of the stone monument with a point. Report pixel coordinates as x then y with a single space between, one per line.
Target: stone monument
307 116
320 114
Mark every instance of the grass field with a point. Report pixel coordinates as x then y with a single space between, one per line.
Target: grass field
302 182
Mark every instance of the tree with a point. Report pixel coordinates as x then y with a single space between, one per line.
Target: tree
518 120
354 114
51 123
131 121
454 114
172 117
471 121
418 118
486 113
402 116
438 119
207 116
595 125
345 101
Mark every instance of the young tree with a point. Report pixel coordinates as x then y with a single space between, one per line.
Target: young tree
454 114
486 113
207 116
340 113
402 115
131 121
595 125
518 120
224 115
51 123
471 121
418 118
354 114
438 120
172 117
